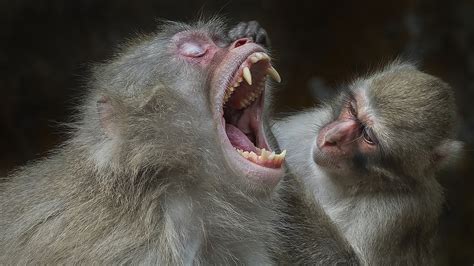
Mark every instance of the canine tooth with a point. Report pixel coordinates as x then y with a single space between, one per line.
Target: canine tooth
259 55
274 74
247 75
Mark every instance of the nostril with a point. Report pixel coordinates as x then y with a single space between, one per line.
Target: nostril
325 142
331 139
241 42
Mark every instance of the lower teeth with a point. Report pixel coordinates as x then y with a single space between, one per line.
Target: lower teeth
264 157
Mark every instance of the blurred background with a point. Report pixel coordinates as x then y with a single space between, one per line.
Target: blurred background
46 48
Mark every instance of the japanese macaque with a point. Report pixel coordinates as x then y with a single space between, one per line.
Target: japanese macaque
370 158
167 164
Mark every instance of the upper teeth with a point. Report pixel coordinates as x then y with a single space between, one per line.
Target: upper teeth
247 75
274 74
251 97
254 58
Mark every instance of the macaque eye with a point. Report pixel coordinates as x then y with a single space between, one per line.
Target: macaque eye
352 108
192 49
366 136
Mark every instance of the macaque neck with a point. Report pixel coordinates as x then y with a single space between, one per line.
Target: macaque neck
323 187
184 220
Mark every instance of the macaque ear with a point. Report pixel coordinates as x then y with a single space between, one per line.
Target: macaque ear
106 113
448 153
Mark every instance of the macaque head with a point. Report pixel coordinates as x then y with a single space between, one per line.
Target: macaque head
398 122
187 100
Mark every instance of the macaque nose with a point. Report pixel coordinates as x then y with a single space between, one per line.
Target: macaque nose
240 42
339 133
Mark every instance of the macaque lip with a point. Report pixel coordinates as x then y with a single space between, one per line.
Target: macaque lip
237 93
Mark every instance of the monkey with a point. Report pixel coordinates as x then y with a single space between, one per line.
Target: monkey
167 161
306 234
370 156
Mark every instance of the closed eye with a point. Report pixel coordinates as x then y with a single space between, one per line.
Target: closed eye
192 49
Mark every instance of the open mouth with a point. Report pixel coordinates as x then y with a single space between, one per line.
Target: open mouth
241 108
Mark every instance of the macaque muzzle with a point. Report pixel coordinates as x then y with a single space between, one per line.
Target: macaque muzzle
243 107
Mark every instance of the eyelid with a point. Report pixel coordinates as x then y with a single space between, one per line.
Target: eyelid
351 107
192 49
371 134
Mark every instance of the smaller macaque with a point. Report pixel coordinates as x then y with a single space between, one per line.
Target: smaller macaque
370 158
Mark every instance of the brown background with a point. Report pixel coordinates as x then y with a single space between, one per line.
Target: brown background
46 49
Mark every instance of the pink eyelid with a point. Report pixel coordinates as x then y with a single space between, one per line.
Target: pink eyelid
192 49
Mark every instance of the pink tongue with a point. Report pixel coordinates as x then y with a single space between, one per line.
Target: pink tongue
238 139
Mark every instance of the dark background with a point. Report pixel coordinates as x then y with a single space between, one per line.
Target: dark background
46 48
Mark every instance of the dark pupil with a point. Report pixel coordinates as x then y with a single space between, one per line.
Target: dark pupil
367 137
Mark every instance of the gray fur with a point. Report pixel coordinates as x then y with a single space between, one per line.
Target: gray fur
307 234
389 209
252 30
146 186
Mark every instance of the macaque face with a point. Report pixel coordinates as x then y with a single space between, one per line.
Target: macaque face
235 82
391 123
349 140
